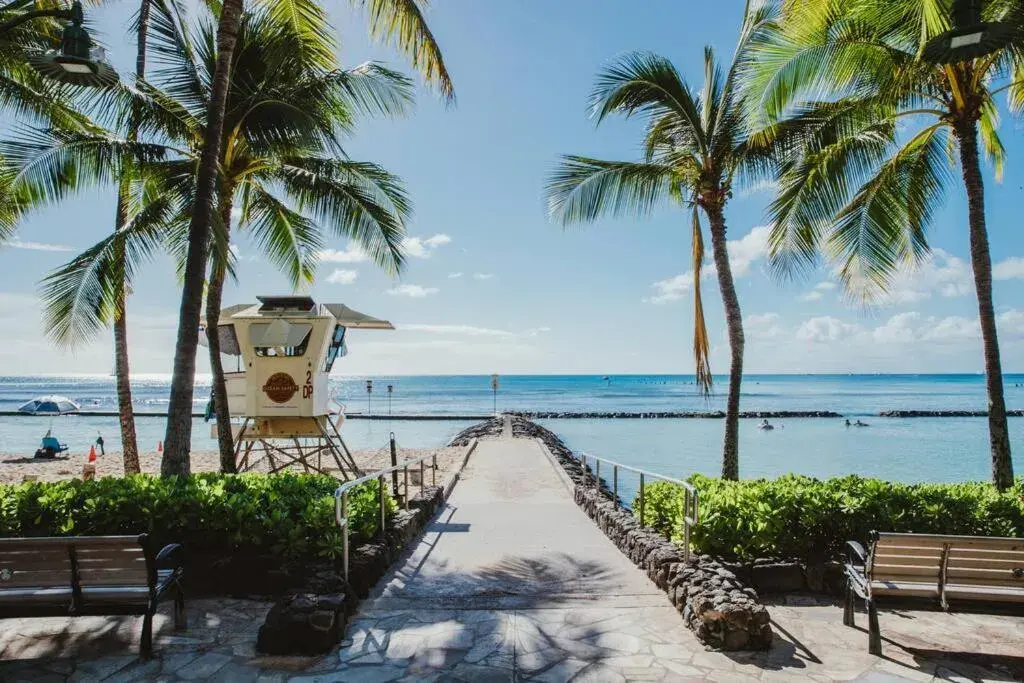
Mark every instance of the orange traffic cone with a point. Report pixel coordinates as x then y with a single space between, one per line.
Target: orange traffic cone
159 446
92 454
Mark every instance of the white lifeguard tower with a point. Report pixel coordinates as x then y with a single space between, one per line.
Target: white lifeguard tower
287 346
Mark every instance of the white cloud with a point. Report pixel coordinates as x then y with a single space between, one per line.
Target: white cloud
898 329
818 291
236 252
942 273
423 248
1009 269
342 277
452 276
825 329
482 276
36 246
351 255
764 326
413 291
672 289
743 253
813 295
952 328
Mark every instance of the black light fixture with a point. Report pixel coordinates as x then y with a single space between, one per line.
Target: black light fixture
78 61
969 38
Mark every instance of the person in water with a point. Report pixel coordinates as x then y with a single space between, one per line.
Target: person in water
847 422
765 425
858 423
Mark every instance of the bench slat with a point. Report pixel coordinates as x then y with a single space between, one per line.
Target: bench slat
126 562
986 563
991 593
35 594
935 541
882 570
32 562
38 578
113 577
50 541
907 587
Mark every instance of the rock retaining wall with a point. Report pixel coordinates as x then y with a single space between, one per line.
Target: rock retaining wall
723 612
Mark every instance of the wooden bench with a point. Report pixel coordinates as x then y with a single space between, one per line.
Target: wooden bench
943 570
90 575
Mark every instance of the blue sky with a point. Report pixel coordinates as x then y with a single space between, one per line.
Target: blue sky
492 285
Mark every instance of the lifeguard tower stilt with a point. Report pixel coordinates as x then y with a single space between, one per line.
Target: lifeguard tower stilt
282 341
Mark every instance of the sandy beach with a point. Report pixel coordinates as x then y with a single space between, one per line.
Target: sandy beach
18 467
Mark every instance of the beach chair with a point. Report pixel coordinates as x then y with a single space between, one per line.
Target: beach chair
50 447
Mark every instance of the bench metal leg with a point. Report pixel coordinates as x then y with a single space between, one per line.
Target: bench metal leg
848 607
146 646
180 619
874 633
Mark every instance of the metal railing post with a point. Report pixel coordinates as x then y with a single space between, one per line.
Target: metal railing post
686 526
422 480
380 488
597 475
583 462
433 473
641 500
615 485
344 542
405 471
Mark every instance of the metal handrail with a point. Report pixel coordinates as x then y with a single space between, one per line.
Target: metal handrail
341 496
691 499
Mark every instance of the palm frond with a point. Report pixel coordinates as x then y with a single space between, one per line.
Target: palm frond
81 297
289 239
643 82
357 200
581 190
701 341
402 24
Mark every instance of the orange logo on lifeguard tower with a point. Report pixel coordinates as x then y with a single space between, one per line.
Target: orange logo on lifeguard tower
280 387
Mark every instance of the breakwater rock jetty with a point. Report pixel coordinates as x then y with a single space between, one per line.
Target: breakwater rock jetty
945 413
671 415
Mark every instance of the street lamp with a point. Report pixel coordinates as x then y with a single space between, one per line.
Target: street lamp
969 38
78 61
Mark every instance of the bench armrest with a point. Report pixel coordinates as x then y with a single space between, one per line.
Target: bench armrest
170 557
855 554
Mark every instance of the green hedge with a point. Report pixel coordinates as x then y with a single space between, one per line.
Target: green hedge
796 516
287 514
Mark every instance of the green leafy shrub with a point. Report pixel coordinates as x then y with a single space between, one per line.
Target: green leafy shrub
287 514
797 516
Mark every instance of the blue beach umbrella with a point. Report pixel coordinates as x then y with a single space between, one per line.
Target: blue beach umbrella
49 405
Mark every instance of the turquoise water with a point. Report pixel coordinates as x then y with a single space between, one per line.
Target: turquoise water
921 449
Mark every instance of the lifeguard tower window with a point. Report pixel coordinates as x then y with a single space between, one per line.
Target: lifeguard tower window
280 339
337 347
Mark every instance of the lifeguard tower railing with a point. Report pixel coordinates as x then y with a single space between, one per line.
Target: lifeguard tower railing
341 496
592 467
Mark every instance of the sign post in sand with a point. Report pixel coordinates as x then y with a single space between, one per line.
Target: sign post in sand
494 391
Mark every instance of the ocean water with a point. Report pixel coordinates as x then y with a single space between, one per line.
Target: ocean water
920 449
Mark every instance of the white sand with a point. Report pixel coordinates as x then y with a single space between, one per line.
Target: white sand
18 467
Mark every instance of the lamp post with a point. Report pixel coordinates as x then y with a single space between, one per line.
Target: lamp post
494 391
969 38
78 61
369 392
390 389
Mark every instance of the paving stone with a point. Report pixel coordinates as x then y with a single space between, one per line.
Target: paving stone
204 667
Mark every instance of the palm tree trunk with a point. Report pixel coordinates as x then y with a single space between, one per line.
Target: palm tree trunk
179 420
734 322
129 440
126 415
981 262
214 292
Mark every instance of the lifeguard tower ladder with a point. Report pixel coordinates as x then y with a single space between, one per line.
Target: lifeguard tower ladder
288 345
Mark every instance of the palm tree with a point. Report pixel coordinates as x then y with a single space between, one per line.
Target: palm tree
283 120
400 22
877 140
696 150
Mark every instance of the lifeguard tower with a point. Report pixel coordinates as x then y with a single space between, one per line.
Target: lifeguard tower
287 346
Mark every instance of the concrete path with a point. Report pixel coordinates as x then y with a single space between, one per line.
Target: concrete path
514 582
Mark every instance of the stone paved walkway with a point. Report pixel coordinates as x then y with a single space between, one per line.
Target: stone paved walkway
513 582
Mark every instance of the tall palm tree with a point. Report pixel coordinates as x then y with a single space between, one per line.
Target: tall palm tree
880 132
696 150
400 22
283 118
